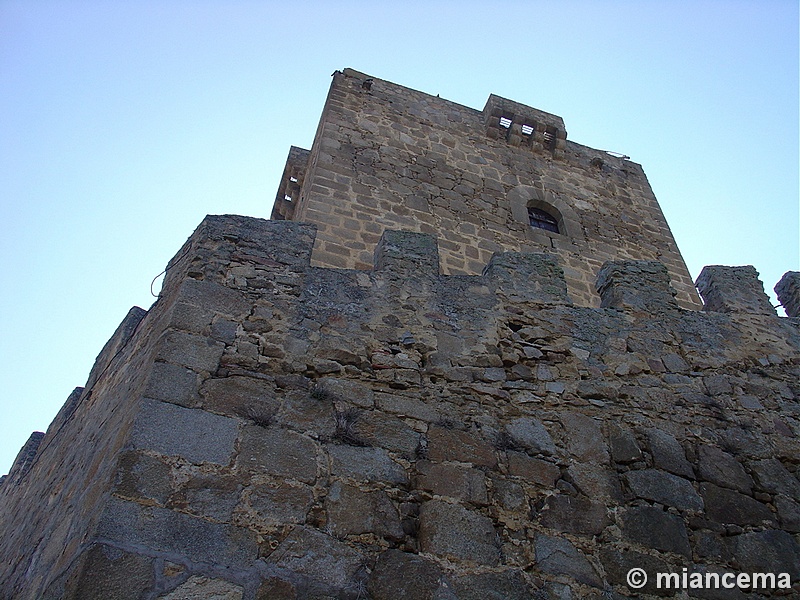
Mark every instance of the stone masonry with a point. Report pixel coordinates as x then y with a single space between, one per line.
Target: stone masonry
272 429
388 157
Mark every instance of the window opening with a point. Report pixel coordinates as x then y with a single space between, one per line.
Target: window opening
293 179
287 197
550 138
505 122
542 220
527 129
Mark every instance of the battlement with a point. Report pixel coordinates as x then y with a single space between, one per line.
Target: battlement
273 426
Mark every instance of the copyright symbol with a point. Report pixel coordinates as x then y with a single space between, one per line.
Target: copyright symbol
637 578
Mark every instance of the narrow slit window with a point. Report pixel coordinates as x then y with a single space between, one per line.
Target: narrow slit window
293 179
527 129
505 122
542 219
287 197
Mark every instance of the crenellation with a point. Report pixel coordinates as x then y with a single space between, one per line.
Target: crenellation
788 291
733 289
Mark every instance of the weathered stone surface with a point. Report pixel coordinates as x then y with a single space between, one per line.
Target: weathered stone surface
352 511
451 531
505 585
365 464
278 504
318 556
143 477
353 392
722 469
446 444
386 431
173 383
559 557
728 506
246 397
585 441
462 483
302 412
113 573
403 575
193 351
540 472
277 451
215 297
213 497
655 528
668 454
788 513
275 588
665 488
198 587
770 475
618 563
529 434
574 515
195 435
624 448
404 406
600 483
164 530
768 551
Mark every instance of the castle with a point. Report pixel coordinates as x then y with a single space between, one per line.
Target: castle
464 360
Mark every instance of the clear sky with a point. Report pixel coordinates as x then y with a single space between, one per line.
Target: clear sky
122 124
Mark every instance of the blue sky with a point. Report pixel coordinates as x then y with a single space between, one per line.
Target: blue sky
123 123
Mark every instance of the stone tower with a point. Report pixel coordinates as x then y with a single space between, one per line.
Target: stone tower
471 407
505 179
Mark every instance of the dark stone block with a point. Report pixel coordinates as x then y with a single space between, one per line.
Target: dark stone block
366 464
665 488
504 585
722 469
164 530
529 434
558 556
113 574
451 531
278 451
318 556
540 472
246 397
617 564
352 512
728 506
196 435
574 515
624 448
668 454
462 446
655 528
402 575
768 551
173 383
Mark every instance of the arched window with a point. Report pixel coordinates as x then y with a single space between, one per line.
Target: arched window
542 219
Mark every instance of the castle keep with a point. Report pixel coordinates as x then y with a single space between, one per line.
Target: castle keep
464 360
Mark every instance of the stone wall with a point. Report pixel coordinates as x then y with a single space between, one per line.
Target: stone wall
388 157
270 429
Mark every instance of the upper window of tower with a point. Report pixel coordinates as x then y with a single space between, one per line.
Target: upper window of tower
542 219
